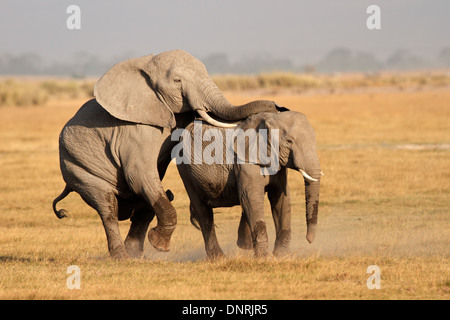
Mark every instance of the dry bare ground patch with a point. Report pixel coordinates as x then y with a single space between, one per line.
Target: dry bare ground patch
385 201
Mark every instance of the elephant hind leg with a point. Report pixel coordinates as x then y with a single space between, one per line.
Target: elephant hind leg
108 211
103 199
205 217
134 242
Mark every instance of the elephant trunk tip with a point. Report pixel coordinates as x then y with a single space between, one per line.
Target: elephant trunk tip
311 232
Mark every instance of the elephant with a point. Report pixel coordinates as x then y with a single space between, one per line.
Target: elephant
214 181
115 150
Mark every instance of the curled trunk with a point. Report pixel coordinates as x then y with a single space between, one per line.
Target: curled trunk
210 98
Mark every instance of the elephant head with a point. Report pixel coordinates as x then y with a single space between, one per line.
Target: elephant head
297 150
151 89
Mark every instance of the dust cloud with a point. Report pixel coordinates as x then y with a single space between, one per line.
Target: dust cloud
337 236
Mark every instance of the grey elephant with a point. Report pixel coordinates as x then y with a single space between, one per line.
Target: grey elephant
114 152
213 178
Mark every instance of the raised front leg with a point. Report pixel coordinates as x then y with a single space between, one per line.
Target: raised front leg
251 194
280 202
144 180
139 157
142 215
159 236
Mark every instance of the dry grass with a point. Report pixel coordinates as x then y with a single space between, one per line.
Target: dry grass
381 204
304 82
38 91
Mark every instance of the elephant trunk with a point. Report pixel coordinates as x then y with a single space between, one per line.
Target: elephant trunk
312 201
212 99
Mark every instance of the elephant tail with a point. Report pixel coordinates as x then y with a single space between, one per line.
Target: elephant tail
194 219
61 213
194 222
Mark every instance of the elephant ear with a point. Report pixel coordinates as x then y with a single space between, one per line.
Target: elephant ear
125 92
261 137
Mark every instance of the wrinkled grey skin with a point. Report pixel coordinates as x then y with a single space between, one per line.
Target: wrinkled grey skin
224 185
115 150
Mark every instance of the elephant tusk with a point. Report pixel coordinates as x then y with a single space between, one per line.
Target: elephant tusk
213 122
321 173
307 176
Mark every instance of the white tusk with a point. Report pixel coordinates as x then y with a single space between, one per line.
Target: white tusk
213 122
321 173
307 176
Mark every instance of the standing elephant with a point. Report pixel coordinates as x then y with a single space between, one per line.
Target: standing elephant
114 152
215 181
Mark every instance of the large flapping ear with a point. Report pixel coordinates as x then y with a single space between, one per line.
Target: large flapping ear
258 142
125 92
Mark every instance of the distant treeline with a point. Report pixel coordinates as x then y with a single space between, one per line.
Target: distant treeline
337 60
83 65
27 91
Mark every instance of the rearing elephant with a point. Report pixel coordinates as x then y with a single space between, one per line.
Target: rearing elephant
114 152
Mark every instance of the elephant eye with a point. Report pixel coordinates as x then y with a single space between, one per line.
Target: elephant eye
177 80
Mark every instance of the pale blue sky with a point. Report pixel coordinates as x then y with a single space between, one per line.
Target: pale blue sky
297 29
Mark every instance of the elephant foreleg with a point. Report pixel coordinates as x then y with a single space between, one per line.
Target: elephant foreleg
166 215
244 234
143 179
141 216
251 191
279 197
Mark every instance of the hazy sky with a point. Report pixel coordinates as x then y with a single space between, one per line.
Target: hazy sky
300 30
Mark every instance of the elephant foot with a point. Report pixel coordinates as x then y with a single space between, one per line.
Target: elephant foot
281 251
215 255
134 248
245 243
260 239
213 250
261 250
119 253
282 243
159 240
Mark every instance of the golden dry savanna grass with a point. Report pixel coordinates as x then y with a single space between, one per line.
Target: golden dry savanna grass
385 201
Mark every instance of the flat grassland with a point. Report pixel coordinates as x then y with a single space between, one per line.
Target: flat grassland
385 201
